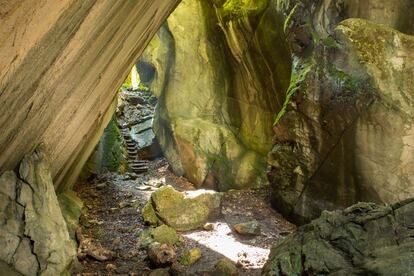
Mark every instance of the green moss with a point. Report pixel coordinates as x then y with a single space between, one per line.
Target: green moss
149 215
190 256
238 8
164 234
110 152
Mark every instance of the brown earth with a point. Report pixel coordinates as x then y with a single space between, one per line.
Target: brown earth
113 219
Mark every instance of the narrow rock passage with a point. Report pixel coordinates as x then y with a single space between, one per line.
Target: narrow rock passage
113 219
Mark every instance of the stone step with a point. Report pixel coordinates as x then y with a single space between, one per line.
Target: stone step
137 165
135 161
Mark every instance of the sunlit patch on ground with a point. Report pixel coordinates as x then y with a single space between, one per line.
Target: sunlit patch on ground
223 241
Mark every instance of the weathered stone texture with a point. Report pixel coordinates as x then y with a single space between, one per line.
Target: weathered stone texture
345 133
364 239
34 237
61 63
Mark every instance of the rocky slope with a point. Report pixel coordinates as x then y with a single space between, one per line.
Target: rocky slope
61 63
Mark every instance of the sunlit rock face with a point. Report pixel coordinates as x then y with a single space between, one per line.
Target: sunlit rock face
61 63
345 133
220 81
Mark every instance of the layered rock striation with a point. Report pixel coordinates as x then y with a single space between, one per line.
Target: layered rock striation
61 63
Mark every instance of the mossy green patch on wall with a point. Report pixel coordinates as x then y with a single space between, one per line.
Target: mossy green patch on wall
110 153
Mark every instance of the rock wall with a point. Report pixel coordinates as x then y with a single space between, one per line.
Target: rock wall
61 63
345 133
220 81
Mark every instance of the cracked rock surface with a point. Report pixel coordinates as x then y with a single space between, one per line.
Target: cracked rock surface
35 239
364 239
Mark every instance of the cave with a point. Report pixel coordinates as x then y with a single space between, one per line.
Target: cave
195 137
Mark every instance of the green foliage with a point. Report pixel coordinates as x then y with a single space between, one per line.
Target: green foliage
297 78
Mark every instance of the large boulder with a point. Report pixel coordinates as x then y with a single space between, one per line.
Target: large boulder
182 211
220 81
364 239
345 132
34 237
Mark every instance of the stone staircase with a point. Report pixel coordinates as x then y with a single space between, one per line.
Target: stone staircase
136 165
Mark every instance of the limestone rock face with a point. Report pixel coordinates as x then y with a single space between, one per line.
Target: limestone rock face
220 81
183 211
34 237
60 69
345 132
364 239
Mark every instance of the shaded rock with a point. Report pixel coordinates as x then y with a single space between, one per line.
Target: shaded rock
225 267
345 132
149 215
161 255
71 206
191 256
109 154
143 135
248 228
162 234
185 211
363 239
35 238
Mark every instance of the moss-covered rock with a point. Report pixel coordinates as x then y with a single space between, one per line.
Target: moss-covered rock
149 215
191 256
185 211
110 154
164 234
71 206
363 239
225 267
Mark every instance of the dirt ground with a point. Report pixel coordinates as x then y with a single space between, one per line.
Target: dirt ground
112 218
